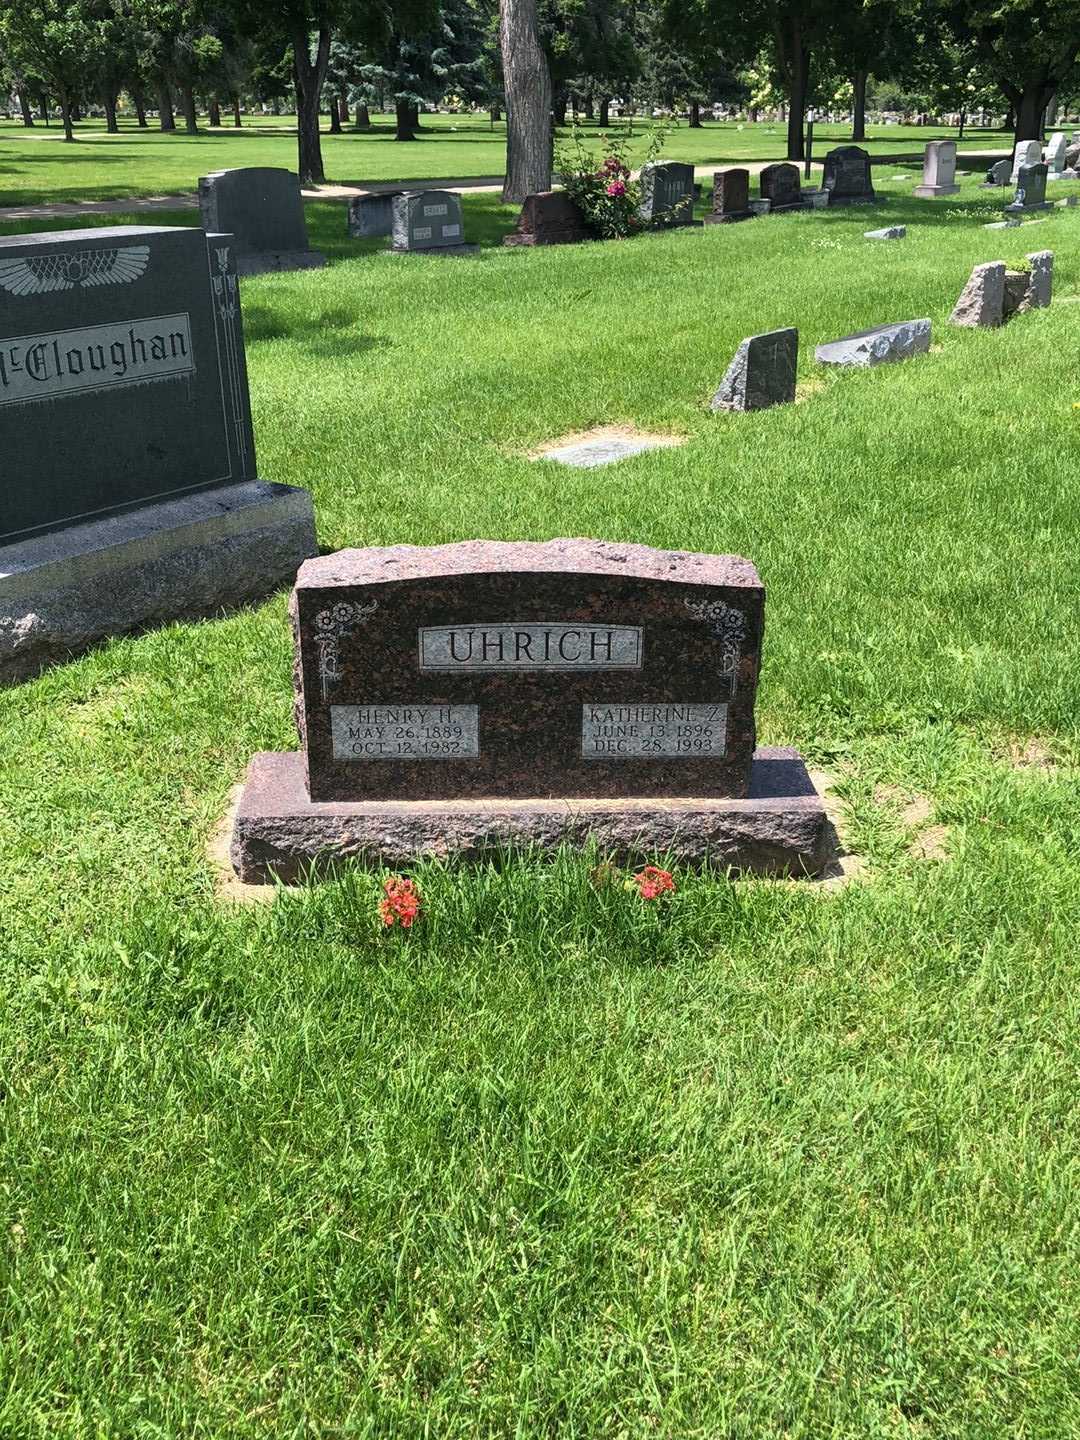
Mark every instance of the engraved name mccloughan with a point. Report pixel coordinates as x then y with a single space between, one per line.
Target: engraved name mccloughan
37 367
528 646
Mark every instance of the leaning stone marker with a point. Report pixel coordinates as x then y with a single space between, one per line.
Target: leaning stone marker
881 346
667 194
847 176
124 400
428 222
372 215
1030 191
939 170
1000 173
780 185
731 197
460 699
1040 289
982 299
550 217
263 210
762 374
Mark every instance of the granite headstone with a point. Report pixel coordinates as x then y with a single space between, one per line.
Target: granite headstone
550 217
998 174
781 186
1030 191
939 170
372 215
762 374
731 197
846 176
667 194
1055 155
263 210
429 222
1025 152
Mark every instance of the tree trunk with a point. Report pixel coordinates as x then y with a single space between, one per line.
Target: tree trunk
695 115
138 99
65 115
363 118
590 113
43 108
1050 118
343 109
24 106
1029 104
335 117
605 112
558 108
794 56
310 75
403 116
528 102
213 110
191 115
165 110
76 110
108 102
237 118
858 112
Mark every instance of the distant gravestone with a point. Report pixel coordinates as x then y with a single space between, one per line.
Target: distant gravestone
1040 289
731 197
890 232
131 493
371 216
781 186
762 374
550 217
982 299
1026 152
667 194
264 211
469 697
1000 173
1030 191
1055 155
939 170
428 221
882 345
847 176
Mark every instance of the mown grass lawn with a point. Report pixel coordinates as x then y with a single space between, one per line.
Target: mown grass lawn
776 1161
36 167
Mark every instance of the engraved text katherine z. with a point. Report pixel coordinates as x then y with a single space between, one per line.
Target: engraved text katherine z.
38 367
557 645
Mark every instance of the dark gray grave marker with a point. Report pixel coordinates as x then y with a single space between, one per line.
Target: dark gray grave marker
263 210
762 374
1030 191
429 221
781 186
667 194
372 215
847 176
731 197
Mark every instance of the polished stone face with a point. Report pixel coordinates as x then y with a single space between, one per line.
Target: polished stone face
259 205
427 220
563 668
781 185
549 217
731 192
846 176
122 373
667 193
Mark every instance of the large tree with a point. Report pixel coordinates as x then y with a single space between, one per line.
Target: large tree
58 40
528 101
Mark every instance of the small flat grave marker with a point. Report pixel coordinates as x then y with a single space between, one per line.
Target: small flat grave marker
882 345
603 446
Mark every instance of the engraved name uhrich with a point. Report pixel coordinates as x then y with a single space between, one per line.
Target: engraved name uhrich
531 646
39 367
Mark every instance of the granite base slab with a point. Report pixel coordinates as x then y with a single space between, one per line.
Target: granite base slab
278 833
931 192
435 250
180 559
270 261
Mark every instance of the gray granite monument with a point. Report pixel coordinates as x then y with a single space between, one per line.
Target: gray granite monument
1055 155
428 222
263 210
462 699
1025 152
667 195
132 495
939 170
781 187
731 197
1030 194
883 345
846 176
762 374
981 302
371 216
998 174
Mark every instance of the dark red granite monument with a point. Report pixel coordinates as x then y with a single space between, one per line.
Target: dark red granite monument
550 217
460 698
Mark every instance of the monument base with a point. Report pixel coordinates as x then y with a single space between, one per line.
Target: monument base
730 218
181 559
272 260
434 250
931 192
1028 209
278 833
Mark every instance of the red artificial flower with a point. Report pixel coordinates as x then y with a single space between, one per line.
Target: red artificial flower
652 882
401 902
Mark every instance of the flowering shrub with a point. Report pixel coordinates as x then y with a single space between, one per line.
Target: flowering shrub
604 192
652 882
400 904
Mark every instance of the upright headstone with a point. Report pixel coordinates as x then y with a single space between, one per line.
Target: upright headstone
372 215
1055 155
1000 173
1030 191
262 208
1026 152
550 217
981 302
939 170
1041 285
131 493
762 374
468 697
428 222
780 185
847 176
667 194
731 197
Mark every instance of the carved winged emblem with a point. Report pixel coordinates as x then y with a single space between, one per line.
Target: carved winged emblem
39 274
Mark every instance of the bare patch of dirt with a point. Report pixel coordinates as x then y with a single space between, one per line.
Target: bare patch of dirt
931 844
228 888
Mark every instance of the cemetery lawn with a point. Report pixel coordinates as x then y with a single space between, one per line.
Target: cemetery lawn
36 167
777 1159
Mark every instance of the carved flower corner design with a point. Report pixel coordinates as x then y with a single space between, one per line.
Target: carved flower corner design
726 625
333 626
